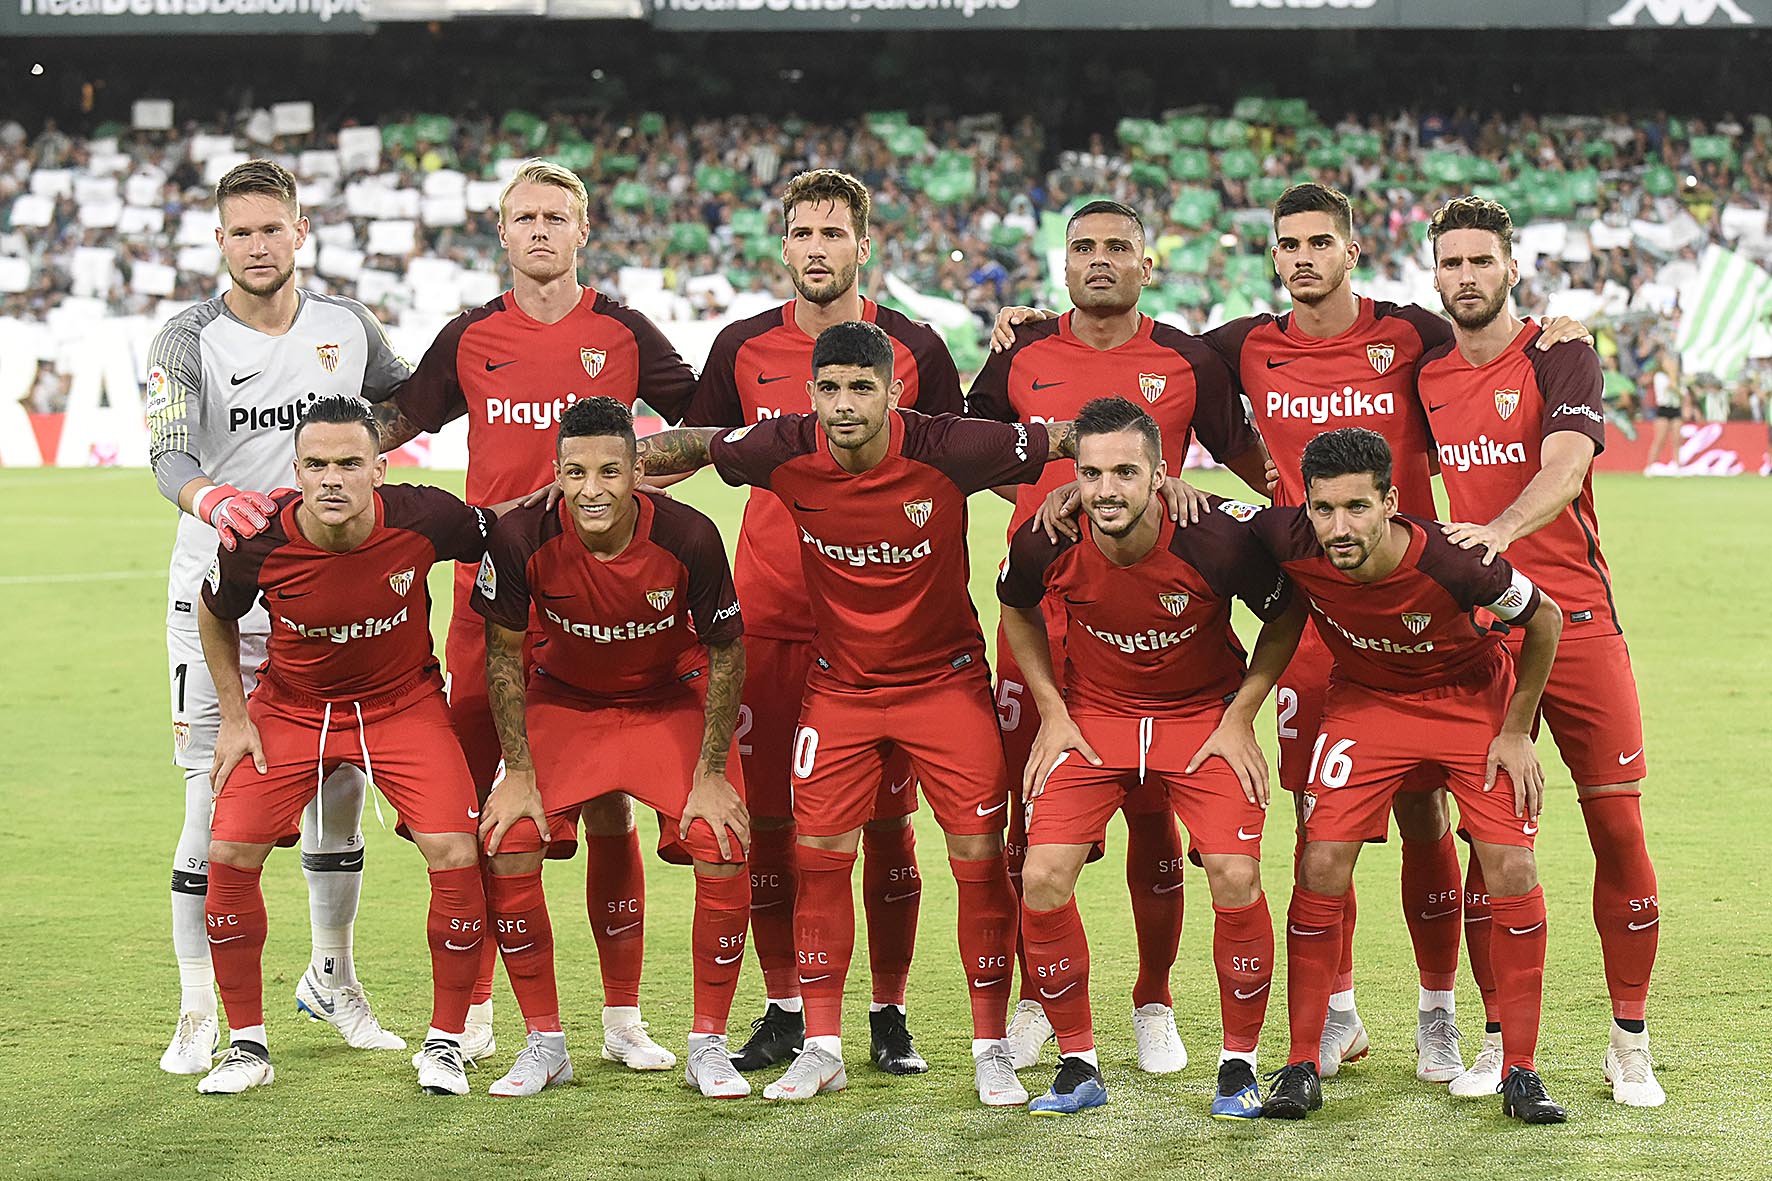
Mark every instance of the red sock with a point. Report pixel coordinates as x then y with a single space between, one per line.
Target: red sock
519 913
891 893
1059 953
1154 858
1313 947
988 922
488 950
235 910
824 935
1478 927
615 897
1432 905
1243 953
456 926
1627 912
774 881
716 940
1517 950
1344 972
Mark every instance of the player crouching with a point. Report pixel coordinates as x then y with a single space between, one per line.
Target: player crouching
1151 663
635 689
349 677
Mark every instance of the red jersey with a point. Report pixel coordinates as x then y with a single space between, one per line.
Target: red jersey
1048 374
1152 639
351 626
1412 629
1490 422
884 552
623 630
758 369
1298 386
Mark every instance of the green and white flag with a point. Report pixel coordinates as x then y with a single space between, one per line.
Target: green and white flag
1719 311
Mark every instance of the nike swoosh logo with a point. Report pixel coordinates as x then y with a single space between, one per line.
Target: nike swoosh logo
1299 931
807 508
1046 385
1078 602
761 380
988 983
1169 889
619 930
1625 759
1052 996
1250 995
236 379
491 368
898 787
473 813
1438 914
355 864
814 979
546 595
767 905
515 950
293 594
900 897
1441 406
1525 930
229 939
984 811
1529 829
326 1006
1247 836
1273 364
1632 926
721 959
453 947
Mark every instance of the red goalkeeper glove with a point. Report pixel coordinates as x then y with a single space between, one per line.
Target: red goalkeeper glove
236 515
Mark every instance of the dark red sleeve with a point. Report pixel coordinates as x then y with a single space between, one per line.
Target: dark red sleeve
1434 329
1219 418
1224 549
1227 341
750 454
433 395
989 396
695 540
1283 530
1470 583
231 586
501 590
1022 580
975 453
938 381
716 401
667 383
1569 378
456 531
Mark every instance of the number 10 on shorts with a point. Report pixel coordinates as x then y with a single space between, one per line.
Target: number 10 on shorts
1335 765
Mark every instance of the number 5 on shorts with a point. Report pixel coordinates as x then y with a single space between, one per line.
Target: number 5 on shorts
805 751
1335 766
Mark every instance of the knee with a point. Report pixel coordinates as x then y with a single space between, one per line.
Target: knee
718 869
890 824
1235 882
455 850
506 865
1323 870
1510 870
975 847
1421 815
1044 883
608 816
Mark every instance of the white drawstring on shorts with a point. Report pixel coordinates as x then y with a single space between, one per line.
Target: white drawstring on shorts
1145 728
320 768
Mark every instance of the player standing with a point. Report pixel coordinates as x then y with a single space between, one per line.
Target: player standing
348 678
1518 428
512 367
758 369
1155 689
228 380
879 498
1413 683
1105 345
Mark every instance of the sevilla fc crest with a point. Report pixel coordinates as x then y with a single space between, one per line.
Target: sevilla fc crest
592 360
328 354
1381 356
402 582
1506 402
661 598
1151 385
1415 622
1310 805
918 511
1174 602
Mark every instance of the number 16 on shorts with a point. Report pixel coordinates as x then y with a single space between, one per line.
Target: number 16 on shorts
1330 762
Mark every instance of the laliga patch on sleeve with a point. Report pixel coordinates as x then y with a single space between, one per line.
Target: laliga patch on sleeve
1238 510
486 582
737 433
214 576
159 391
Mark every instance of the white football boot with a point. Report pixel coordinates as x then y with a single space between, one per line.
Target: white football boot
709 1069
1631 1071
540 1064
1029 1031
193 1046
239 1070
814 1072
626 1041
1159 1046
346 1009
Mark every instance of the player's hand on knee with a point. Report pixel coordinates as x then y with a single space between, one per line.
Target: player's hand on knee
234 742
236 515
1187 502
1003 331
1057 737
1057 514
1237 746
1514 753
713 799
515 798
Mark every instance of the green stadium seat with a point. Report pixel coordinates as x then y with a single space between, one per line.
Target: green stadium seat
1189 130
625 164
762 248
880 121
906 141
689 237
630 194
435 129
1712 147
748 223
1228 133
1253 109
1238 164
398 135
1333 158
1133 132
519 123
714 178
1149 176
1193 257
1600 151
1007 237
1362 145
1293 112
1660 181
650 123
1584 186
579 157
1196 208
1265 190
1190 164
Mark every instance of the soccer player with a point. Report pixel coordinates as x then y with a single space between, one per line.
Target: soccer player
512 367
1155 694
1105 345
636 688
758 369
1413 682
348 678
878 497
1518 428
228 380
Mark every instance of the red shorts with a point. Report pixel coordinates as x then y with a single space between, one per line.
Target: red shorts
583 749
774 683
405 746
1371 742
1078 798
1591 707
947 728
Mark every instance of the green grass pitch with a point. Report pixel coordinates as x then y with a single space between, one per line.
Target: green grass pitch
89 989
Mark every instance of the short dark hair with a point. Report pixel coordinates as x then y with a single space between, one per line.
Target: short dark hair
1348 452
599 417
340 408
258 177
1473 213
822 185
1110 416
1311 197
854 342
1117 208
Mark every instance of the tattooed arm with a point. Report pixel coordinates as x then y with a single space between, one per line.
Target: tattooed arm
396 429
516 797
711 797
1061 438
682 450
